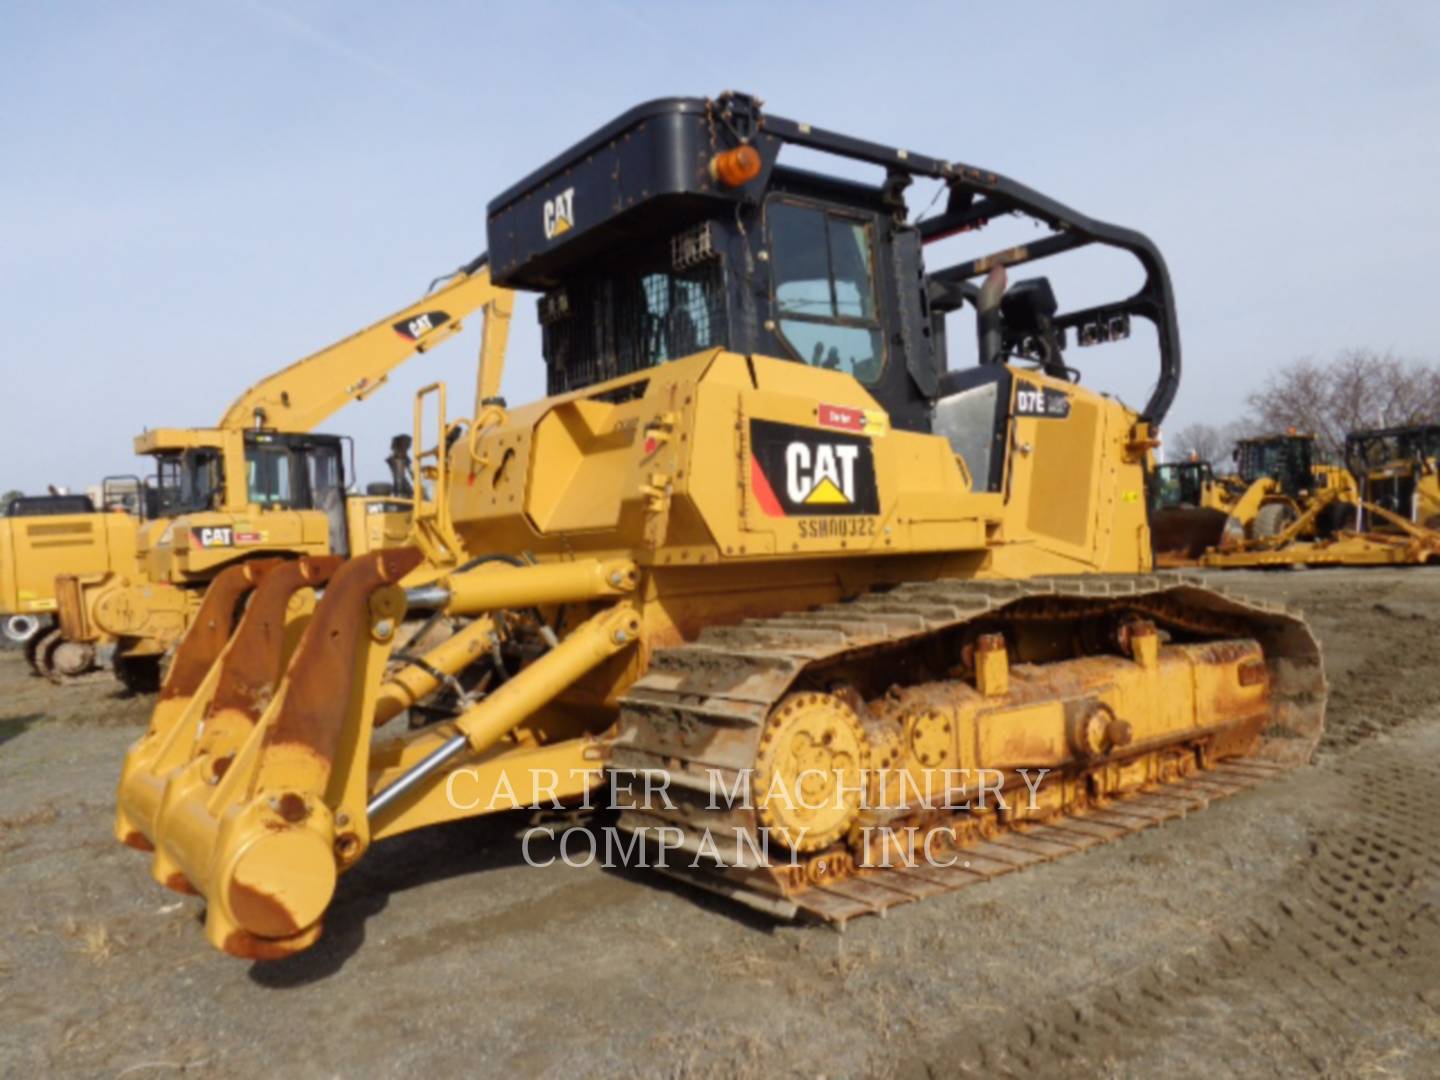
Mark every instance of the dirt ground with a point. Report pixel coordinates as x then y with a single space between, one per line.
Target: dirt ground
1293 930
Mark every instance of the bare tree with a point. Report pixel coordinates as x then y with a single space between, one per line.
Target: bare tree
1204 441
1360 388
1207 442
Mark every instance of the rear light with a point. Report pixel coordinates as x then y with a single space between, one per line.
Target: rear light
735 167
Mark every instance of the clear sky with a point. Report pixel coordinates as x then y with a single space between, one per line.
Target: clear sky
193 194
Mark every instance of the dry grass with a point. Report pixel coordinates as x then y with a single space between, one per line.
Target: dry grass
42 815
710 1055
737 963
92 940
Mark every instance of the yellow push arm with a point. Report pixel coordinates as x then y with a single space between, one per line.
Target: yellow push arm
305 394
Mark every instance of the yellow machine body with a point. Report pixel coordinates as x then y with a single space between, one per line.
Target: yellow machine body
580 474
1399 469
1190 508
1249 518
647 526
144 603
1376 537
1420 478
732 567
1388 518
33 550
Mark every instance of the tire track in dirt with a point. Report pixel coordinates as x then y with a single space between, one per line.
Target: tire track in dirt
1308 985
1398 676
1358 922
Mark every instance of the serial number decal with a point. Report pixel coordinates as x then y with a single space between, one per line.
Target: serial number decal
836 527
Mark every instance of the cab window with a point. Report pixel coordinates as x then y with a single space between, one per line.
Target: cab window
268 469
202 478
825 288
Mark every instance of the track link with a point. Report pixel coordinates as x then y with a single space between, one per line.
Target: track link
696 717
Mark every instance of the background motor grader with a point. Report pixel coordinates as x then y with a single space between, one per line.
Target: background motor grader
261 484
758 535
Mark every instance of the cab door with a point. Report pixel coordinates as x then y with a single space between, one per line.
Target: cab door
325 476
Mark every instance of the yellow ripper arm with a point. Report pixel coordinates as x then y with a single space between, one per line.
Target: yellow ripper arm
303 395
256 784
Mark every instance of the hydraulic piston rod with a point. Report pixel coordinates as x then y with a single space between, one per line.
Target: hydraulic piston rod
494 586
480 727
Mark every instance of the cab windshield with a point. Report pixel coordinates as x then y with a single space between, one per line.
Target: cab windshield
162 490
268 475
1169 487
1286 461
1420 445
1180 484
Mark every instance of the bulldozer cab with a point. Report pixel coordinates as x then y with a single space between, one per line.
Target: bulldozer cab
278 471
1393 465
1181 483
1286 459
1413 445
299 472
678 228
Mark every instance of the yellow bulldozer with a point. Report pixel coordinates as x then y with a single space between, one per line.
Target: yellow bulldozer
261 483
817 608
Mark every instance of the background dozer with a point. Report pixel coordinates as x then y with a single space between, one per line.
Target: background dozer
758 537
1396 468
261 484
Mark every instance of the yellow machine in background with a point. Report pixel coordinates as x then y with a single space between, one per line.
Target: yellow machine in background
1189 508
262 483
1387 518
1279 493
1283 482
1399 470
757 539
40 537
1194 483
